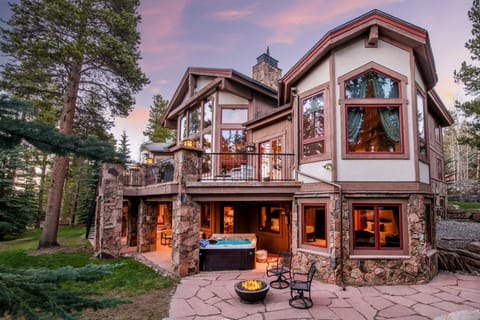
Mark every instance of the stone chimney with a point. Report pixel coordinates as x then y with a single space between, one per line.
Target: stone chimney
266 70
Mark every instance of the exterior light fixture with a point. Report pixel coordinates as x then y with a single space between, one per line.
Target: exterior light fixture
250 148
328 166
149 161
188 143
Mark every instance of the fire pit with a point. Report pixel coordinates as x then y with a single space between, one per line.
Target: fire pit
251 290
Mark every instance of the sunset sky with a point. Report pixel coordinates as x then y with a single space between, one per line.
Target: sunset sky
177 34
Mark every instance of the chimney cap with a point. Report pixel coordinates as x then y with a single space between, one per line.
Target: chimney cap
265 57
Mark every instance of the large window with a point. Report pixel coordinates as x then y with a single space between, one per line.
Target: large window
374 109
234 115
373 128
196 124
314 231
313 125
377 227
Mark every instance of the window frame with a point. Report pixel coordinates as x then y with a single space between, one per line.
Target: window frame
184 126
377 249
421 140
401 102
303 241
269 208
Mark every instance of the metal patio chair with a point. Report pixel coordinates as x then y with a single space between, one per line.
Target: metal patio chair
298 287
281 268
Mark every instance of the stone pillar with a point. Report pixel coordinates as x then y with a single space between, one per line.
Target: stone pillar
109 212
186 214
147 227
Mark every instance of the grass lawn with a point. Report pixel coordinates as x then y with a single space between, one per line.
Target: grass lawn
130 279
465 205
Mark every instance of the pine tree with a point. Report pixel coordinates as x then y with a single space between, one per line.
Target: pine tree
469 75
155 131
64 49
124 147
39 293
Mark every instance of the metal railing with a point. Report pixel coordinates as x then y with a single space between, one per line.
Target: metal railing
247 166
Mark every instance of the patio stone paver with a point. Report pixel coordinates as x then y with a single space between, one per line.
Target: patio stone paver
211 296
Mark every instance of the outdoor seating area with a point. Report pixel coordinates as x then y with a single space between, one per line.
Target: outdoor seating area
300 286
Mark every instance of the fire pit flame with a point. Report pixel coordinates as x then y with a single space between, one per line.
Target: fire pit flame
251 285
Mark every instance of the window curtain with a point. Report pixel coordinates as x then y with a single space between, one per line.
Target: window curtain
355 121
390 119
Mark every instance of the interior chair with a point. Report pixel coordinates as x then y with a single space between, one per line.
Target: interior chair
301 283
281 269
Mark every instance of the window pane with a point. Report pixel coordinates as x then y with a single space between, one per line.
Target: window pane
270 219
374 129
364 226
314 148
234 115
233 140
313 117
371 85
389 226
183 128
207 113
194 121
314 226
421 125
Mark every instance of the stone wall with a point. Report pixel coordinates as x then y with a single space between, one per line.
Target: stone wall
147 227
417 266
109 212
186 215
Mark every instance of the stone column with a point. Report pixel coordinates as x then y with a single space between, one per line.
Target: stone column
186 214
109 212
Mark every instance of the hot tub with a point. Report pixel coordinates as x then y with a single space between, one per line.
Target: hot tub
227 254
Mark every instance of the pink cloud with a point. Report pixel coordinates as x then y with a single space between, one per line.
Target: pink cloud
232 14
291 21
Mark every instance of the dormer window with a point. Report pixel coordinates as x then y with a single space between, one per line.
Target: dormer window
374 111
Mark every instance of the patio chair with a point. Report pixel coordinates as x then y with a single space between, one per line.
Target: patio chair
280 268
298 287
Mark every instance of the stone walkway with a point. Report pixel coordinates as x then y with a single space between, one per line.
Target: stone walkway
210 295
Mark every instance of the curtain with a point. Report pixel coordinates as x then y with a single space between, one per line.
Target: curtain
390 119
355 121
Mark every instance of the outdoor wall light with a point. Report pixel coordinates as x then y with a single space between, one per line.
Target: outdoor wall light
149 161
250 148
188 143
328 166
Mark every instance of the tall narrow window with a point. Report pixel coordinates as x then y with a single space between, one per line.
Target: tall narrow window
314 229
207 113
270 218
422 145
313 125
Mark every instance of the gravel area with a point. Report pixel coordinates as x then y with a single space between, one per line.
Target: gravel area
457 234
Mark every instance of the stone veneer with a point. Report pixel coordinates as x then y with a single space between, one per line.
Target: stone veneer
108 224
186 214
418 266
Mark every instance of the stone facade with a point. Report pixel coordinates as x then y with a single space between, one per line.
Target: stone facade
418 266
186 215
266 70
109 212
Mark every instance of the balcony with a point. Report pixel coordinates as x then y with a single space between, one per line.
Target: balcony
247 167
220 167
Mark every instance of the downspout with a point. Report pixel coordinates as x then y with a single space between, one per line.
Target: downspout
297 172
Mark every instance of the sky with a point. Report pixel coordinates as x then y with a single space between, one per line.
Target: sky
176 34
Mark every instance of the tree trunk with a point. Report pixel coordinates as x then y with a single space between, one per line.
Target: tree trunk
59 171
41 191
73 211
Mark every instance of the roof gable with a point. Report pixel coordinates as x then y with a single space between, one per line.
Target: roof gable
386 26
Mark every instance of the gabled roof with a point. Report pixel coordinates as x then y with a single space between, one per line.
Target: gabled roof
388 26
219 78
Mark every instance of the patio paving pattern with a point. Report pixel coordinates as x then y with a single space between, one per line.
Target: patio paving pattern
211 295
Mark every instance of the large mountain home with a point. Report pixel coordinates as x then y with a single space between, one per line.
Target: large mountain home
338 161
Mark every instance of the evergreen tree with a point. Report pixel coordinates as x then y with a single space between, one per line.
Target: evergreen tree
124 146
64 49
469 75
40 294
155 131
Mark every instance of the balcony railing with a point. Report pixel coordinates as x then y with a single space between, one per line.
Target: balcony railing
247 166
219 167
